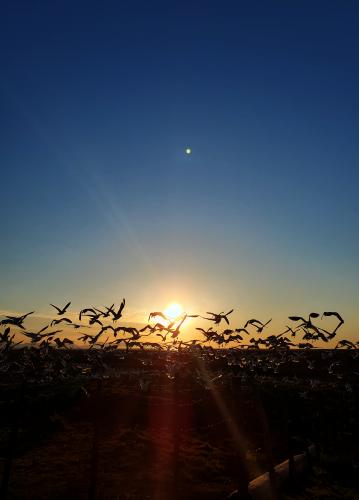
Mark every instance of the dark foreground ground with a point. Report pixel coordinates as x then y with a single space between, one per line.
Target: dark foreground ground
159 426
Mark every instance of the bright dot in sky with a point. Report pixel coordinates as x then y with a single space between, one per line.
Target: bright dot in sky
188 151
173 310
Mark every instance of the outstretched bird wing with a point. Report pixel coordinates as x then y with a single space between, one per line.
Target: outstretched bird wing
330 313
157 313
297 318
57 308
67 305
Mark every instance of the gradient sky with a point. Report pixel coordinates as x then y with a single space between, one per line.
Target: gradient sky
98 101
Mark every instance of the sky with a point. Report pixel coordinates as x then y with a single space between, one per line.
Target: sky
99 201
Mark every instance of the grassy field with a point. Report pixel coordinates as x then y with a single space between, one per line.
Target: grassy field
154 433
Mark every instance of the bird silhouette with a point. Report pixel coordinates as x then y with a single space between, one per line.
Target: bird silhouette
61 311
345 343
159 314
176 331
289 329
233 338
254 322
110 327
209 333
205 332
306 323
131 330
117 315
5 336
16 320
78 325
341 321
91 339
95 319
260 328
217 318
148 327
240 330
109 310
85 337
35 337
87 310
61 320
163 336
63 343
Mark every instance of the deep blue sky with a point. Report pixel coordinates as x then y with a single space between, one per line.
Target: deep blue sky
99 201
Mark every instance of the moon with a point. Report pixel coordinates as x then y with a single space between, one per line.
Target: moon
188 151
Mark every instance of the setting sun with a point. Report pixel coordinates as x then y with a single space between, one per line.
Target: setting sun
173 311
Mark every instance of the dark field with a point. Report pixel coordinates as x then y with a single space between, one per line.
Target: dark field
181 426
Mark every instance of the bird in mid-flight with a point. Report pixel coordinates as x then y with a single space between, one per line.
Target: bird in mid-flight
61 311
217 318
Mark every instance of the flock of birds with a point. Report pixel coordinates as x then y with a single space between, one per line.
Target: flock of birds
44 346
169 327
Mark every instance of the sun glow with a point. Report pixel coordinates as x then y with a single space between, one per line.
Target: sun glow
173 311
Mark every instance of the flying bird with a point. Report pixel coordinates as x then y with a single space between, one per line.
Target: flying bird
77 325
254 322
289 329
306 323
63 343
175 332
217 318
117 315
95 319
61 320
163 337
346 343
61 311
260 328
87 310
337 315
109 310
157 313
131 330
206 332
239 330
232 338
16 320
